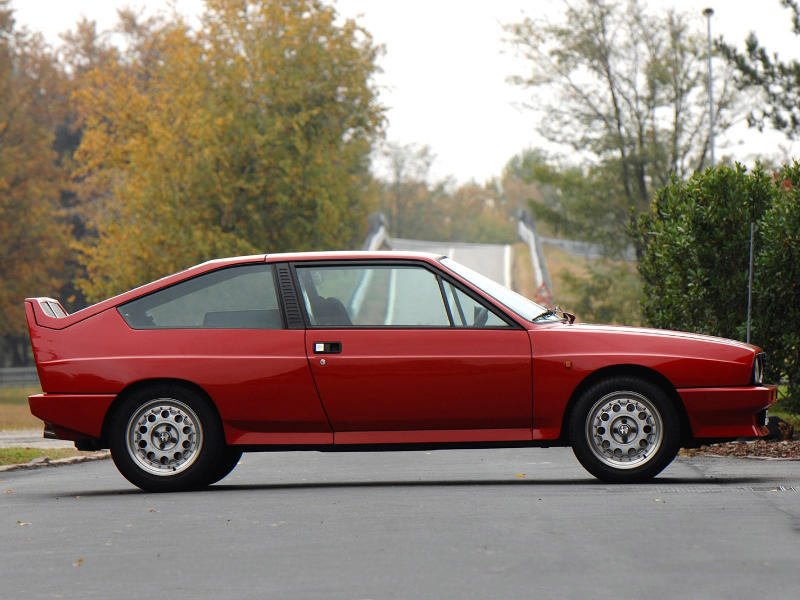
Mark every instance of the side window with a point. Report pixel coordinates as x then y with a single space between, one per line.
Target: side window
468 312
364 296
233 298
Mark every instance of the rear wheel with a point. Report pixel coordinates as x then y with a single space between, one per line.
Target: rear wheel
166 438
227 462
624 429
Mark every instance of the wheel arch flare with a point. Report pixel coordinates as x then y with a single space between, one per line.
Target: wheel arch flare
629 370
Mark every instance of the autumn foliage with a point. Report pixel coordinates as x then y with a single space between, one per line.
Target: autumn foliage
250 134
30 177
130 154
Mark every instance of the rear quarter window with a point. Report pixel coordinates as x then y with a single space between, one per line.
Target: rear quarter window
242 297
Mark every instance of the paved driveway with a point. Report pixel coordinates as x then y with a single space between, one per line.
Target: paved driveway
506 523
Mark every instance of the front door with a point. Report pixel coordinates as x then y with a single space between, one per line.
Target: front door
401 354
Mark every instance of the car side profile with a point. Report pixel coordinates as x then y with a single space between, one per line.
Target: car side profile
337 351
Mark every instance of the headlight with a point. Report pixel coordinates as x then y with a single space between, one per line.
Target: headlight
758 369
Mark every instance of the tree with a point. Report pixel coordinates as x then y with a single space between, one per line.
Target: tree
778 81
624 89
34 238
479 213
249 134
412 204
576 202
418 208
580 203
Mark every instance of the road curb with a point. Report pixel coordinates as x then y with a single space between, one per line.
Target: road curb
43 461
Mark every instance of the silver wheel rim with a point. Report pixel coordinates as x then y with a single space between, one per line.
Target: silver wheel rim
164 436
624 429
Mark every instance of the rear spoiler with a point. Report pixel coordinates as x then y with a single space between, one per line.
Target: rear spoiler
46 312
51 307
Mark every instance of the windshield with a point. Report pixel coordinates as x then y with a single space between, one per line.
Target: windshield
527 309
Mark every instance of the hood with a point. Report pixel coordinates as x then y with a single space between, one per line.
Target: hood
686 359
662 333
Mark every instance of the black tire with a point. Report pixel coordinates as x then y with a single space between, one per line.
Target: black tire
166 438
624 430
227 462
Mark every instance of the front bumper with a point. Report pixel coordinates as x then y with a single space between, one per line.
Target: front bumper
729 412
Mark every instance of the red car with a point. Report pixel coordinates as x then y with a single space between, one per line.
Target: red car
372 351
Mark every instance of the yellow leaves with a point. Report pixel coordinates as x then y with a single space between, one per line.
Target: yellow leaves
223 141
32 252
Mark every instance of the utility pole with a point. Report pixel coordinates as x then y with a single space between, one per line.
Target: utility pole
750 275
708 12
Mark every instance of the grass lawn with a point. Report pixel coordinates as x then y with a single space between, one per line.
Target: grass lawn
15 414
18 394
14 411
13 456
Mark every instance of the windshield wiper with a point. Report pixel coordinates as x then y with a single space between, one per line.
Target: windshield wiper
553 312
546 315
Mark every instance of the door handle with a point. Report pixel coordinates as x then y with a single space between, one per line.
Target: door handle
327 347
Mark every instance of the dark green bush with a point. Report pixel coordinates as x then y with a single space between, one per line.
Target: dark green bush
694 254
776 322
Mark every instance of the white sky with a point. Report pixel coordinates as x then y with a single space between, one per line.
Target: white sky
444 70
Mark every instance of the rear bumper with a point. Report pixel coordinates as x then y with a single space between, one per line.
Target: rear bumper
728 412
72 416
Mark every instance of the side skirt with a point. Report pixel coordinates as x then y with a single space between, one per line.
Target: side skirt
400 447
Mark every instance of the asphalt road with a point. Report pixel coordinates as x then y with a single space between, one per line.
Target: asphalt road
30 438
460 524
492 260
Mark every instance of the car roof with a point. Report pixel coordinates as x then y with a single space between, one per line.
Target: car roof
211 265
352 255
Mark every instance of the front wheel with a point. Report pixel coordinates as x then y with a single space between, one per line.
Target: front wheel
166 438
624 430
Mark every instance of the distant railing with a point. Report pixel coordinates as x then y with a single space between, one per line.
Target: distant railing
376 236
588 250
17 376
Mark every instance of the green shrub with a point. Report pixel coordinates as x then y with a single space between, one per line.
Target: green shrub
694 255
776 320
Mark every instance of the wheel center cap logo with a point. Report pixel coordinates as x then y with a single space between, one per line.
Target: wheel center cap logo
624 429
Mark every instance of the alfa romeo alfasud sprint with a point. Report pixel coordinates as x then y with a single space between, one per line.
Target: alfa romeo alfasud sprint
372 351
